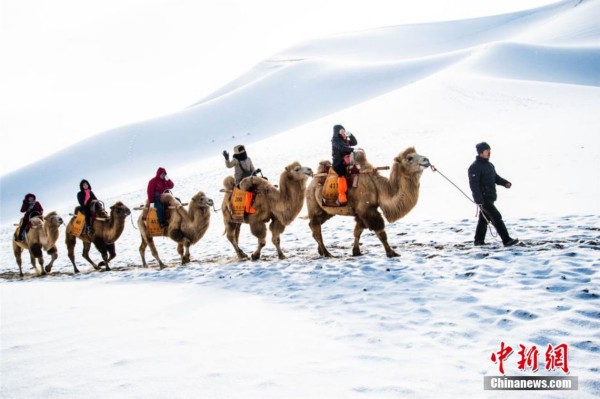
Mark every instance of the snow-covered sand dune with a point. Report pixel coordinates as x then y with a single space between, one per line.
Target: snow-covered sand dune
297 86
422 325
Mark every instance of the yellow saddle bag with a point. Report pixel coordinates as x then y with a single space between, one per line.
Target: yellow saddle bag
330 189
154 228
78 224
238 203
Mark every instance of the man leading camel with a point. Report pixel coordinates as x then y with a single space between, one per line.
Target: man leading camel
483 179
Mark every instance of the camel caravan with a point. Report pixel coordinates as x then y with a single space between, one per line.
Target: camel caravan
348 186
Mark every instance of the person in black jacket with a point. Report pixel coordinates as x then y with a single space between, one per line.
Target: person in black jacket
341 145
483 180
85 196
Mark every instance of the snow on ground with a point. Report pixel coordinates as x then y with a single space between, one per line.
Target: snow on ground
422 325
416 326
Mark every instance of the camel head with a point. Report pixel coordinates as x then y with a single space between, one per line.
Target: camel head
411 163
296 171
202 200
120 209
53 219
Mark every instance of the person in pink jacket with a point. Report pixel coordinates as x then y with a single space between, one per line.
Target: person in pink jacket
158 185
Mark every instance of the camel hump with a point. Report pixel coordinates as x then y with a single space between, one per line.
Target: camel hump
36 221
169 199
229 183
360 159
324 166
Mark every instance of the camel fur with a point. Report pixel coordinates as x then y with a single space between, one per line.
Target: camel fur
396 196
186 227
42 235
105 233
280 206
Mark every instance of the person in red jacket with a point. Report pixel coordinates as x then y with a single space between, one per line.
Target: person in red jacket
157 186
31 208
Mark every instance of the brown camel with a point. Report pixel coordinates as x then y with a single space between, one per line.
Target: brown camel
43 234
280 206
186 227
396 196
105 232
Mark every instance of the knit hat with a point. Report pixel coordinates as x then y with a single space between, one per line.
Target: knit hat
238 149
481 147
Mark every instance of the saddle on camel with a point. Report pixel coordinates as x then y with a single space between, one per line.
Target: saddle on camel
335 187
242 201
96 212
151 215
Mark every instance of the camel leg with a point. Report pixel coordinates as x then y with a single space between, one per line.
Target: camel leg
71 240
112 253
53 252
374 221
150 244
17 250
35 250
143 246
315 226
233 232
259 230
238 228
33 262
41 262
381 234
186 249
86 254
276 229
181 251
102 248
358 229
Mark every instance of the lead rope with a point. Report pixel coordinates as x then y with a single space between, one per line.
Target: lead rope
479 208
131 218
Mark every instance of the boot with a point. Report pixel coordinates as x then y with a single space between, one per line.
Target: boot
248 203
342 188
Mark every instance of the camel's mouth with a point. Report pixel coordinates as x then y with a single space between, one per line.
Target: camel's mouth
425 163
